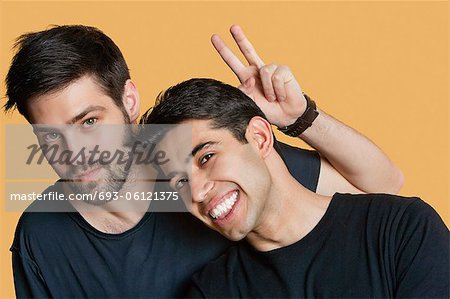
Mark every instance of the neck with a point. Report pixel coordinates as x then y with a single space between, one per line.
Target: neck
118 216
290 213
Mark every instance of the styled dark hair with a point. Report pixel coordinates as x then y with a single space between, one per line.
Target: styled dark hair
206 99
50 60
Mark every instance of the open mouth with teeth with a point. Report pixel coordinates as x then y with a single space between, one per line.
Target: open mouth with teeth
221 210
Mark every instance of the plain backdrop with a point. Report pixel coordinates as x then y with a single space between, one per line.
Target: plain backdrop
379 66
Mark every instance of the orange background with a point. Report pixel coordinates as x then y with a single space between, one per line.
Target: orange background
380 67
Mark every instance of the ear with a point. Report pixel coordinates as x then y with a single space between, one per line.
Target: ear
131 100
259 133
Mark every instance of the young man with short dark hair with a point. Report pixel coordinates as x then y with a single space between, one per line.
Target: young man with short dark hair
299 244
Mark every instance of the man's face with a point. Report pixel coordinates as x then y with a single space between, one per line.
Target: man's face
78 119
226 181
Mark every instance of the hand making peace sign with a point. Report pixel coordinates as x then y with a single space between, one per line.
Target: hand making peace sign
273 87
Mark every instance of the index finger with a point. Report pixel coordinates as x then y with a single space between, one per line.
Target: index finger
228 56
246 47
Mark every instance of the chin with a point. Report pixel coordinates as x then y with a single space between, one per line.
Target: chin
234 236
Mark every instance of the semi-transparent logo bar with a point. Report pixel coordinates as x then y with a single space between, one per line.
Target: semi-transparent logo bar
59 168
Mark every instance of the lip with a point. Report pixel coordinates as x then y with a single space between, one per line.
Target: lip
217 200
221 222
88 175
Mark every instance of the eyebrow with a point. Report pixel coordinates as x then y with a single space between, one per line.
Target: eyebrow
46 128
200 146
85 112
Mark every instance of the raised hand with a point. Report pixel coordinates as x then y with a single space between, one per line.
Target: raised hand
273 87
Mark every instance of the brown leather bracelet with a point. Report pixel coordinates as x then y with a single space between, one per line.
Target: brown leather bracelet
304 121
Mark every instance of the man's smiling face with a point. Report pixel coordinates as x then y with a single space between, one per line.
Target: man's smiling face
225 181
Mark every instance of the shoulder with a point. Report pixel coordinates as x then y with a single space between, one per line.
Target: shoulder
416 240
375 210
407 205
400 215
37 226
378 201
37 223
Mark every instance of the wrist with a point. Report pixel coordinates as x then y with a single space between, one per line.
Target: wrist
303 122
296 114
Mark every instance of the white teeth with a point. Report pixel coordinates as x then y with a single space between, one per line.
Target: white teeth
224 207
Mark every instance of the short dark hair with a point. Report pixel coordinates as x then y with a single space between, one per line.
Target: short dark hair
206 99
50 60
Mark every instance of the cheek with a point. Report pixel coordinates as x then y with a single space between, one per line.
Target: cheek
109 145
114 114
107 137
57 160
244 168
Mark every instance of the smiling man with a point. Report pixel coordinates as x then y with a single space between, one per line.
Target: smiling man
299 244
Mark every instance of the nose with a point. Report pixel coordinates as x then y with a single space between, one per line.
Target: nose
76 147
200 187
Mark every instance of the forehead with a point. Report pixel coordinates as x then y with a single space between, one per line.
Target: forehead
177 143
60 106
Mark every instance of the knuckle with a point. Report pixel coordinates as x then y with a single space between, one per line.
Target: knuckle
276 77
264 70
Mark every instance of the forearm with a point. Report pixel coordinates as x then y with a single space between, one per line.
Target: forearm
277 93
353 155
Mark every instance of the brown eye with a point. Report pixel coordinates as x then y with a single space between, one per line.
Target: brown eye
206 158
181 183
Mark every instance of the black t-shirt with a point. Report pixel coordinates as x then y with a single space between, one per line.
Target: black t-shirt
59 254
365 246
